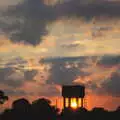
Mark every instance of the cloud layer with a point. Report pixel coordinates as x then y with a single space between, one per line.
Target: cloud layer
87 71
27 21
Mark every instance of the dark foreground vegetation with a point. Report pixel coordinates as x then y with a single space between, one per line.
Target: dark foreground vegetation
42 109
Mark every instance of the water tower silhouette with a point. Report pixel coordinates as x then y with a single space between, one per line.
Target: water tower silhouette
73 96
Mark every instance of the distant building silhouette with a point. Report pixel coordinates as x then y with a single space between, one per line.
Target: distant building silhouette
73 96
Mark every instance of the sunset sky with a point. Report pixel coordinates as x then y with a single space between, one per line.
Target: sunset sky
48 43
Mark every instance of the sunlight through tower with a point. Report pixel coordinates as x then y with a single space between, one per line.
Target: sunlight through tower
73 96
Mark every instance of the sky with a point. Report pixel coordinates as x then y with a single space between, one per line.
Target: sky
45 44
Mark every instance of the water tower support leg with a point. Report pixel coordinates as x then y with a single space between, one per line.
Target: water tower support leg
82 102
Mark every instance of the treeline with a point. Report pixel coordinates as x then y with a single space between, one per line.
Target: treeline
41 109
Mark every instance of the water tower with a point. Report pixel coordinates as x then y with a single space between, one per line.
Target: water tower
73 96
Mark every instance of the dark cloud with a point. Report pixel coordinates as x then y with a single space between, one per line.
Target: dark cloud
27 21
65 73
13 74
14 80
104 60
96 8
111 86
29 75
110 60
65 59
61 74
10 77
7 78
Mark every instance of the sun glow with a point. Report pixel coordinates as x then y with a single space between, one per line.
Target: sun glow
73 103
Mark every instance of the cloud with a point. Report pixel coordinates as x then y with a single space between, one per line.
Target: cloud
94 72
12 92
17 62
17 79
27 21
90 10
13 73
62 75
65 71
10 77
110 60
72 46
103 60
7 78
29 75
111 86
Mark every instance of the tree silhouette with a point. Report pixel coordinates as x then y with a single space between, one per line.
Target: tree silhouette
20 111
118 108
43 109
3 98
